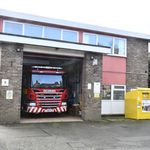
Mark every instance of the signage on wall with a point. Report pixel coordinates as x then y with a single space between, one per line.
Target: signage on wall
95 62
96 95
9 94
89 86
97 88
5 82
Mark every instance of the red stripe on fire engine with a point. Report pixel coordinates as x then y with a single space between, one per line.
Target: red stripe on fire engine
58 110
28 109
61 108
31 109
35 109
39 110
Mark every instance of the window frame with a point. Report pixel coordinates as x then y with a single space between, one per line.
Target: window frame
84 33
43 30
106 36
9 21
113 44
125 46
52 28
62 35
113 89
35 26
77 40
112 86
105 99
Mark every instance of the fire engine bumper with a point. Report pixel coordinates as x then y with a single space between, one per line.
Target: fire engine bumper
37 110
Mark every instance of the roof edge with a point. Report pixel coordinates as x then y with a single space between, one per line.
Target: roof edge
30 17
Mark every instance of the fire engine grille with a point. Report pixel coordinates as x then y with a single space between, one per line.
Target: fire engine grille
48 100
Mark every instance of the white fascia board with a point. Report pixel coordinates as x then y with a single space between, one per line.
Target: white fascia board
50 43
52 51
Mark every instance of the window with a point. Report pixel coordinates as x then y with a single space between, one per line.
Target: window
46 81
106 92
33 30
105 41
119 46
52 33
118 92
40 31
89 38
113 92
69 36
13 27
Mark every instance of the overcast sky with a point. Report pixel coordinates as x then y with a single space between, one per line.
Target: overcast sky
131 15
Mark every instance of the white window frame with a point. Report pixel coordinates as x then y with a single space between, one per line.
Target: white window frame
77 40
23 29
61 36
125 46
43 29
86 33
113 44
9 21
52 28
113 89
33 25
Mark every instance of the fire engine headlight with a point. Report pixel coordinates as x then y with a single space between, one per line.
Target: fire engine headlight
32 104
64 103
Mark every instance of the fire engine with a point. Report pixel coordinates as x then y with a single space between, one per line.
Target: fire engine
44 90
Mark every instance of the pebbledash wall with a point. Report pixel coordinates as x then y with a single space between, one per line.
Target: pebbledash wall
104 64
11 68
137 63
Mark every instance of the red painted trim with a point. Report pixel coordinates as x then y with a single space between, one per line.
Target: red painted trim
81 37
114 70
1 24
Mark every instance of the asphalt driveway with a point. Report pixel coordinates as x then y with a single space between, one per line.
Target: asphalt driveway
118 134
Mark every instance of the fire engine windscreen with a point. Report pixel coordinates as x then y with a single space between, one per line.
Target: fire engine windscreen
47 81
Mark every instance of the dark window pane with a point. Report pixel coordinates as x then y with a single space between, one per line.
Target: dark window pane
119 87
69 36
119 46
118 95
52 33
106 92
33 30
89 39
14 28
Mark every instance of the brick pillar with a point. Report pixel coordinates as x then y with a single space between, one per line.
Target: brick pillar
91 106
11 69
137 63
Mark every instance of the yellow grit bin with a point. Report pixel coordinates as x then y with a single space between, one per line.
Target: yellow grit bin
137 104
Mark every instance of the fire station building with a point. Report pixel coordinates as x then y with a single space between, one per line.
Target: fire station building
102 63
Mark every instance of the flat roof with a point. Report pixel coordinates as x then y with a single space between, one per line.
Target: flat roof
29 17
